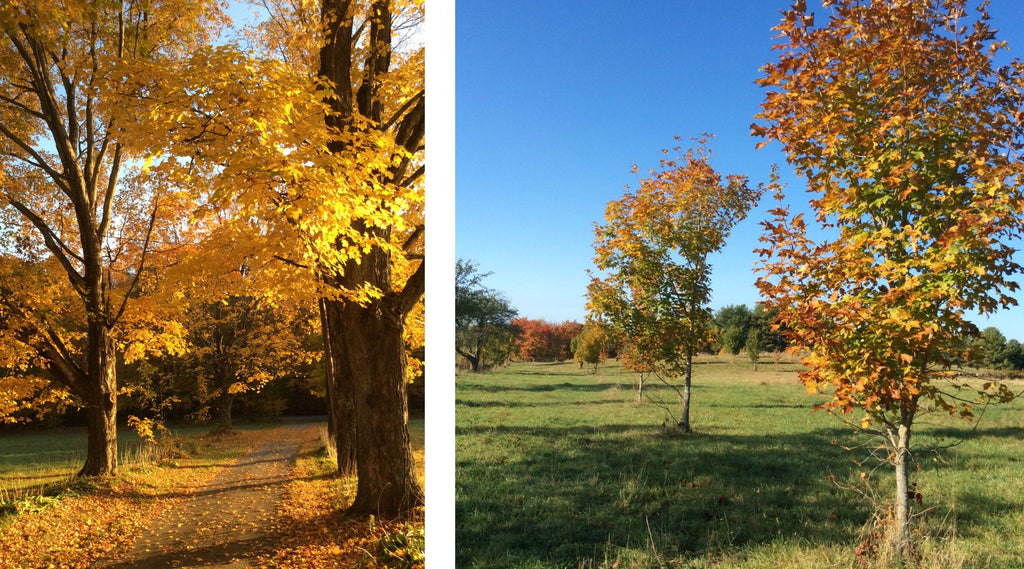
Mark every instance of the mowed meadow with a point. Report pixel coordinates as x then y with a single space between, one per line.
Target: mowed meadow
559 466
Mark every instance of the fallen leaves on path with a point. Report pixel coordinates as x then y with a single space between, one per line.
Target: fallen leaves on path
251 512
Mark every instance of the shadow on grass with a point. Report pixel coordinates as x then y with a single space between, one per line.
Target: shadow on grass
545 387
574 491
967 433
523 404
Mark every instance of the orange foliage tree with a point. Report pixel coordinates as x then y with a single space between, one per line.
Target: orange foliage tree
908 136
653 251
540 339
85 217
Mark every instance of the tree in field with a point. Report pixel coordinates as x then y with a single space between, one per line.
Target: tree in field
653 255
483 318
85 215
590 346
756 343
733 324
540 339
908 137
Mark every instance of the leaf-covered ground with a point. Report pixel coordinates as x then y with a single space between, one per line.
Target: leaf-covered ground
276 506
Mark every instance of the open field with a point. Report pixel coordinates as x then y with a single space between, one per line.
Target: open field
558 467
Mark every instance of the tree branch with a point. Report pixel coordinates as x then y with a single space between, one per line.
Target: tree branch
411 240
108 199
142 265
53 243
36 159
412 291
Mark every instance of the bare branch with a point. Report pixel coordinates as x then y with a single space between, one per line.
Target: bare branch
142 265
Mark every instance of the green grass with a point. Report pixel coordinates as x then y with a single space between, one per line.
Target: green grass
31 460
557 467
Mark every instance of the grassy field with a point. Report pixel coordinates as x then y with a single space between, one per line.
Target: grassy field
559 467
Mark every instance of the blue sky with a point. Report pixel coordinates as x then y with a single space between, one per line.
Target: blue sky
556 100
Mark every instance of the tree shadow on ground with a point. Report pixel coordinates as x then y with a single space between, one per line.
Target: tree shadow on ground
236 550
574 491
545 387
523 404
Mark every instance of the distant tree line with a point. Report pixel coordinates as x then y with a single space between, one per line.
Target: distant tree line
994 351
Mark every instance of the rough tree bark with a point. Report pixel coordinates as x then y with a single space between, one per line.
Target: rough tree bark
99 393
366 343
341 399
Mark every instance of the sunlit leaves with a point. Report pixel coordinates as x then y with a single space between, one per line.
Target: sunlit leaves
908 137
654 282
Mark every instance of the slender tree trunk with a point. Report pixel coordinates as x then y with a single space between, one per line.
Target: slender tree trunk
342 399
100 395
325 332
340 408
640 389
901 532
684 424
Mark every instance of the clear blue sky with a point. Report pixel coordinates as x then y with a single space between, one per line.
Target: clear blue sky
556 100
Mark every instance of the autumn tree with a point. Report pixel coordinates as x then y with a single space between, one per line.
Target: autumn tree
483 317
319 135
590 346
540 339
907 135
653 254
67 183
240 343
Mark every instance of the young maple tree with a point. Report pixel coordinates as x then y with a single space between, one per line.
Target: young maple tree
653 251
908 135
63 183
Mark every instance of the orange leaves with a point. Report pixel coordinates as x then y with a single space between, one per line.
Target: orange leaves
898 121
653 253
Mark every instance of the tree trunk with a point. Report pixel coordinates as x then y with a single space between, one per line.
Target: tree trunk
640 389
325 333
367 347
901 515
373 359
684 424
474 361
342 400
224 408
100 395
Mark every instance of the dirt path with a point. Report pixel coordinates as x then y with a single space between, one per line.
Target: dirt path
231 518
